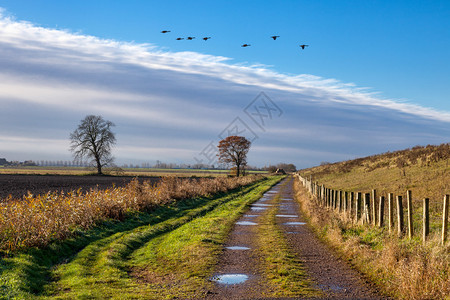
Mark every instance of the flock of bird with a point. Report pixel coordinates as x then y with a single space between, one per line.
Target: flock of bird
190 38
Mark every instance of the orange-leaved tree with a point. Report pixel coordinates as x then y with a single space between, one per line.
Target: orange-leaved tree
233 150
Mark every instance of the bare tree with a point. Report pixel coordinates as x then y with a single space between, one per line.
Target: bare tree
93 139
234 149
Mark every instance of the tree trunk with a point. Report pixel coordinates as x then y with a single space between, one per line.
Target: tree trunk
99 166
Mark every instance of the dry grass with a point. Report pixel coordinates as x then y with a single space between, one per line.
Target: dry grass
402 268
424 170
36 220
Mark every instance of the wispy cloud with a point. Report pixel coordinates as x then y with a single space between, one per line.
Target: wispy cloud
50 79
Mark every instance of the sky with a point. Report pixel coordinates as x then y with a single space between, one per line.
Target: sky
374 77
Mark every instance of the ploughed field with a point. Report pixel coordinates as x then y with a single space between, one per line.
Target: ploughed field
19 185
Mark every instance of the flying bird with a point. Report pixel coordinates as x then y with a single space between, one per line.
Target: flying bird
179 39
245 45
206 38
165 31
275 37
190 38
303 46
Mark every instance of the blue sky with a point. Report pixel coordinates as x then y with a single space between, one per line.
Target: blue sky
385 60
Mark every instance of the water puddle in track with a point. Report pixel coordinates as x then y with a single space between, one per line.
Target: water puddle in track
287 206
287 216
294 223
262 204
258 208
251 216
246 223
237 248
230 278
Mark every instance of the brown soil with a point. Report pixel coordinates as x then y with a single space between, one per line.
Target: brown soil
19 185
327 271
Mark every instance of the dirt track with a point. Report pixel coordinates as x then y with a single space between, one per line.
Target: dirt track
19 185
333 276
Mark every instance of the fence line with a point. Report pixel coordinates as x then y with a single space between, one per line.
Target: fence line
366 209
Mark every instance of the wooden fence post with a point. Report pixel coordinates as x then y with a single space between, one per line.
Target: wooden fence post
345 202
426 219
332 199
352 204
367 211
322 194
381 212
374 207
400 216
328 198
335 199
358 206
350 201
391 211
340 201
410 214
336 193
445 219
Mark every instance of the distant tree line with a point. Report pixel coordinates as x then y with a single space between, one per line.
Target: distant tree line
27 163
284 166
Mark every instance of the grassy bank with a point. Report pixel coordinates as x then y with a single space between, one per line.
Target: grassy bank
402 268
129 258
423 170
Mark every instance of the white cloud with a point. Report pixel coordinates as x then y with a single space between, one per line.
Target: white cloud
50 79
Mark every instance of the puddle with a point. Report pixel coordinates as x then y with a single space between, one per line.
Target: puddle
292 232
258 208
251 216
294 223
287 216
246 223
230 278
237 248
261 204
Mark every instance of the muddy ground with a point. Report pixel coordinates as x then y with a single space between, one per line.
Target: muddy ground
19 185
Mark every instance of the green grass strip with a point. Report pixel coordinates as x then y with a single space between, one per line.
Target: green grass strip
176 253
23 275
283 270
